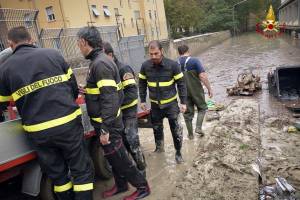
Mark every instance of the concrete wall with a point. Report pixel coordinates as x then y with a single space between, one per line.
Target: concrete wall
197 44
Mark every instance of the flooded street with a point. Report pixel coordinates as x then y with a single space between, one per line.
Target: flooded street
278 150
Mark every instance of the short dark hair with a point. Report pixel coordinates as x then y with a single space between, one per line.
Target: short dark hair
18 34
91 35
155 44
108 48
182 49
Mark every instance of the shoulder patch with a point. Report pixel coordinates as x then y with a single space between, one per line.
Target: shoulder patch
128 76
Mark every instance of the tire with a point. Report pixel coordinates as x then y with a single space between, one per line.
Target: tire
101 165
46 190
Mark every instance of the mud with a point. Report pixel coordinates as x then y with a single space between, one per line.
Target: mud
222 168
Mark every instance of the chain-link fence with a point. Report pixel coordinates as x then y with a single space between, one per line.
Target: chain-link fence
10 18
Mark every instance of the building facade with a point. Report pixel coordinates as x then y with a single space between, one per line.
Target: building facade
289 14
132 17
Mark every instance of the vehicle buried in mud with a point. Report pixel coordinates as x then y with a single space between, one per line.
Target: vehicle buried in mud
284 83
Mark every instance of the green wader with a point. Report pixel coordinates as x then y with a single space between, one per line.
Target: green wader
195 97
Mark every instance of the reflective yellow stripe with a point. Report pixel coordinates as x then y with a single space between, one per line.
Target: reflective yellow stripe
168 100
133 103
63 188
52 123
41 84
107 83
161 84
5 98
164 101
178 76
141 76
119 112
92 90
83 187
151 84
164 84
120 86
99 119
128 82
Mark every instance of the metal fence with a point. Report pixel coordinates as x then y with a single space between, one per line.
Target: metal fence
10 18
130 50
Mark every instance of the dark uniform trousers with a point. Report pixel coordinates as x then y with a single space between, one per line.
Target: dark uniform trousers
172 113
131 137
124 169
59 152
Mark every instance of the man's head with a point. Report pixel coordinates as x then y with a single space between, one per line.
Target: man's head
88 39
108 50
183 49
17 36
155 51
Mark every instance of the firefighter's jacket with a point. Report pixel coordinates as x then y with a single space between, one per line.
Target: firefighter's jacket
129 86
104 93
43 87
161 80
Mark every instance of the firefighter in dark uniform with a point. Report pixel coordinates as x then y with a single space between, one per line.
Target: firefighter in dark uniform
194 74
161 75
129 109
44 89
104 96
3 57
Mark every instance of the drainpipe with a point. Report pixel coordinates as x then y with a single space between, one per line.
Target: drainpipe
62 13
88 5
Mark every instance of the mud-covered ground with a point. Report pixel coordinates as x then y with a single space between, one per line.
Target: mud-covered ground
221 169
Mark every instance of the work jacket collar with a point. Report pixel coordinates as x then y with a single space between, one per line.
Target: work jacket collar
94 53
24 45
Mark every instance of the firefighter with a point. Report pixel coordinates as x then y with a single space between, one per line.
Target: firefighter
194 74
44 89
161 75
104 96
3 57
129 109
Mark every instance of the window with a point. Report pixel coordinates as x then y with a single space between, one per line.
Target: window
132 23
121 3
27 20
95 11
106 11
137 14
150 15
50 13
117 12
124 23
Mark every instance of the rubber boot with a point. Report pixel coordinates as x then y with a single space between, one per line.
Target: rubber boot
200 118
178 157
113 191
84 195
189 127
67 195
160 147
140 193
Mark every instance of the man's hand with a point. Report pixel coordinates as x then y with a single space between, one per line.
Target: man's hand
210 93
143 106
182 108
104 139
